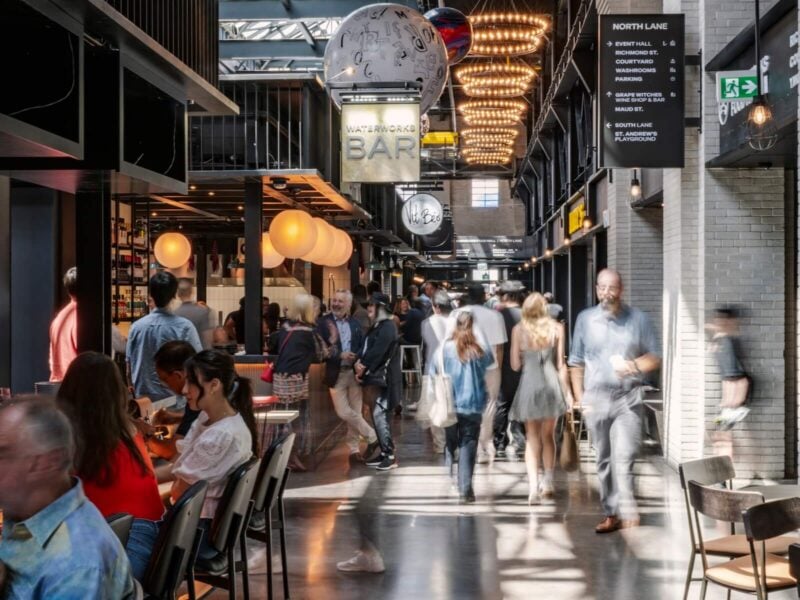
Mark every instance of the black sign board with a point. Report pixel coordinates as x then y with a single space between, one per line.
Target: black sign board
641 91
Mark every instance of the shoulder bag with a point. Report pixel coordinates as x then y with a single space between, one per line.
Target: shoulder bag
268 373
568 456
437 393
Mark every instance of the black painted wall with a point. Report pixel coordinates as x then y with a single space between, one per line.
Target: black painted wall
34 218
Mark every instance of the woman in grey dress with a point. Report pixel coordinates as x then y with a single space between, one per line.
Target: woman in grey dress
537 349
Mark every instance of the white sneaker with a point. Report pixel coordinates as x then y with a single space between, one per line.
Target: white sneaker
412 407
362 563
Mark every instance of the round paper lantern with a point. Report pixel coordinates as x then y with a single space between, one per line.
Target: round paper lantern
172 250
270 258
455 29
293 233
324 244
343 249
387 42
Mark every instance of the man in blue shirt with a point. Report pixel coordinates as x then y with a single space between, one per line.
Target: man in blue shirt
55 542
340 377
149 333
613 347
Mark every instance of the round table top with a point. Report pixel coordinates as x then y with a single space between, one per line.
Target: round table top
775 492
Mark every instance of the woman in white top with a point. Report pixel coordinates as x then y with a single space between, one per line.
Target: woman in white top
221 438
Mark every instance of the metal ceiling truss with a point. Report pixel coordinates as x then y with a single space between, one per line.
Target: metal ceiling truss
309 30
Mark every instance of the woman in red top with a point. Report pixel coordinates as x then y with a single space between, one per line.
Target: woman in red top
110 454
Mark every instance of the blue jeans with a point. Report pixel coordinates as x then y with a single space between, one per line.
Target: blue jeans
464 435
142 541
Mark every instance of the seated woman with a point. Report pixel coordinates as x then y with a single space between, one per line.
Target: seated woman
220 439
111 457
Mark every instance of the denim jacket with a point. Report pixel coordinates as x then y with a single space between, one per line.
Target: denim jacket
469 378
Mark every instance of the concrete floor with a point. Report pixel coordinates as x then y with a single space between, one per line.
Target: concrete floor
498 548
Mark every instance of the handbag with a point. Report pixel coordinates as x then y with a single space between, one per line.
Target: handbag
568 456
438 389
268 373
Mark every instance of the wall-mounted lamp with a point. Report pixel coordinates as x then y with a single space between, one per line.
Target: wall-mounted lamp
567 241
525 266
548 253
636 186
587 223
396 271
534 260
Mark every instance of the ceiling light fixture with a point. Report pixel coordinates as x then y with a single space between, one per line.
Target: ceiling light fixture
495 80
506 34
279 183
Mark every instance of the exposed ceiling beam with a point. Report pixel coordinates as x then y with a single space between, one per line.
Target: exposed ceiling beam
275 49
307 34
256 10
188 207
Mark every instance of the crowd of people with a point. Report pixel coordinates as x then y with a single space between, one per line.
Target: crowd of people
90 453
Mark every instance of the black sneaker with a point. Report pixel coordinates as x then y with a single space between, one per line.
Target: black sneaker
372 451
468 498
388 463
374 462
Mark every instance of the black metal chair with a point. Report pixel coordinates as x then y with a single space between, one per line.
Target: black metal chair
763 522
227 528
176 546
268 495
711 471
120 524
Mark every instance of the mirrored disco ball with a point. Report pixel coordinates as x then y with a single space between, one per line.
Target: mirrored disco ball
387 43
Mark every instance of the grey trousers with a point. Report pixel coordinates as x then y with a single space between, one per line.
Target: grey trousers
615 424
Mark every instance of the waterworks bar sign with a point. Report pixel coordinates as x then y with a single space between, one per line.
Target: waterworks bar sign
380 142
641 91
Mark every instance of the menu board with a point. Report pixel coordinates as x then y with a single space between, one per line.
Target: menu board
641 91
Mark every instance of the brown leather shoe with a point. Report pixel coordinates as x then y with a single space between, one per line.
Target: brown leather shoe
608 525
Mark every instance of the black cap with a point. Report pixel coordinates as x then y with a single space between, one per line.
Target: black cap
379 299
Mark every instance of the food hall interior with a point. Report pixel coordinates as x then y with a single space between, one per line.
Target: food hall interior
269 155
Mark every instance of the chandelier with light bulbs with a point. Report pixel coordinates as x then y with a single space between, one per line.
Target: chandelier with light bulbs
493 112
495 80
494 108
506 34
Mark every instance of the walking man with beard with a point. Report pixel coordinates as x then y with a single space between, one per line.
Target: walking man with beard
613 348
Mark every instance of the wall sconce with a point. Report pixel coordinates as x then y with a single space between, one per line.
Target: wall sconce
587 223
636 186
548 253
567 241
534 260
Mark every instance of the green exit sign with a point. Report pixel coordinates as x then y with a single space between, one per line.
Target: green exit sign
736 85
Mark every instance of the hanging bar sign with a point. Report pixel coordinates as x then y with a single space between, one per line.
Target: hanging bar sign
641 91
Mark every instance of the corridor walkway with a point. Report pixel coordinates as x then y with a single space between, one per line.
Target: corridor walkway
498 548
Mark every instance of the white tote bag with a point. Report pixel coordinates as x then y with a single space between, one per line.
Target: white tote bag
438 392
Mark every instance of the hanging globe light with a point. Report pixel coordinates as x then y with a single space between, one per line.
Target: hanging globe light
270 258
172 250
324 243
293 233
342 249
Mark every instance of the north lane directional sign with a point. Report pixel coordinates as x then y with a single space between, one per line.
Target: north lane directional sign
641 91
736 85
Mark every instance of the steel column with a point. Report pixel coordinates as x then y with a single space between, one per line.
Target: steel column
253 279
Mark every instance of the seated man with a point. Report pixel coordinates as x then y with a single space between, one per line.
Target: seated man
169 361
55 542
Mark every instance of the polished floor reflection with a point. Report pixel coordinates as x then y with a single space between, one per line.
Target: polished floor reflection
499 547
